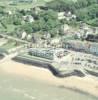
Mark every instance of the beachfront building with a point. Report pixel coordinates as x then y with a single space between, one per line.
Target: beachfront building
77 45
87 47
51 54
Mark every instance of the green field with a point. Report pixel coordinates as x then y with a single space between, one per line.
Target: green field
9 45
7 3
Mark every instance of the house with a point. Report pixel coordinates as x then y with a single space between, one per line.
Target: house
94 48
28 18
87 47
74 16
66 15
56 42
29 37
92 38
24 34
66 28
61 15
77 45
9 12
36 9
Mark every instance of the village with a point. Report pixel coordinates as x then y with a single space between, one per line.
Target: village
66 56
48 36
48 49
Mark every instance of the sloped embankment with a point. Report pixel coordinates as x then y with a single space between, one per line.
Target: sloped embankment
47 65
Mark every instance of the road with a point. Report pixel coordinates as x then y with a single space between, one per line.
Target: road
13 38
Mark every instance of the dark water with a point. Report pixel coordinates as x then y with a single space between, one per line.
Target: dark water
16 88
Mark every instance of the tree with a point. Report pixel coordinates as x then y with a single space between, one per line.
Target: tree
47 21
87 13
17 17
61 5
17 21
66 5
2 10
27 27
93 22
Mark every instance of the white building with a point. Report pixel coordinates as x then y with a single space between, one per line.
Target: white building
24 34
28 18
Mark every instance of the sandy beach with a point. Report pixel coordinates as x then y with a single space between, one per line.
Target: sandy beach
87 84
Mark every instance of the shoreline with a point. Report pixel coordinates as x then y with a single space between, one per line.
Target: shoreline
78 91
48 66
88 85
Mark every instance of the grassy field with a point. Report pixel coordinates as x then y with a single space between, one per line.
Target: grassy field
6 3
8 45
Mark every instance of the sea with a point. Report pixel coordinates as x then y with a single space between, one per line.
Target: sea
24 88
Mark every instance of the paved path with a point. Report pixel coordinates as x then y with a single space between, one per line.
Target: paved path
13 38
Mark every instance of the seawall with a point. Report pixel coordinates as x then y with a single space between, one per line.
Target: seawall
47 65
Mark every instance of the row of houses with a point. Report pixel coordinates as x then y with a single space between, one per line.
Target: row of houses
50 54
87 47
